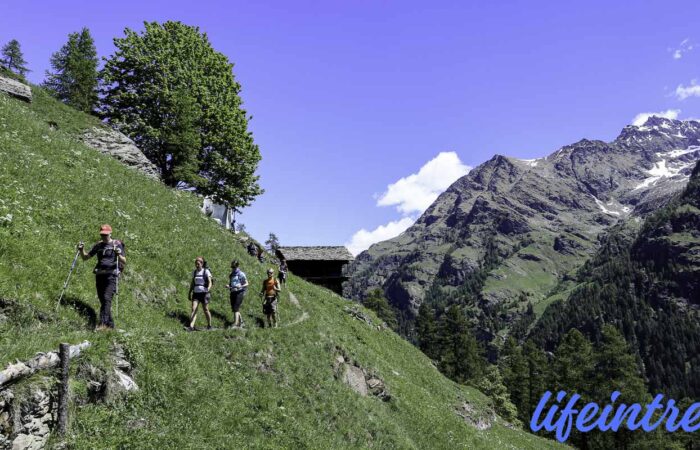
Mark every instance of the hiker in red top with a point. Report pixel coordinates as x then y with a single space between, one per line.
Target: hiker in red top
270 290
110 260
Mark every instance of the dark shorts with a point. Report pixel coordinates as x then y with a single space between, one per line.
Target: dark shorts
282 276
270 305
201 297
237 300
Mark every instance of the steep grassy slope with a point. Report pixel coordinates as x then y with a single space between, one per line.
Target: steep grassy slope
255 388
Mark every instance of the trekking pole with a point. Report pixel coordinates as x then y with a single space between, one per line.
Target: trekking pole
70 272
116 288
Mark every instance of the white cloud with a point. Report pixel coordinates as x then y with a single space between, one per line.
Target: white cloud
684 47
692 90
363 239
411 195
414 193
640 118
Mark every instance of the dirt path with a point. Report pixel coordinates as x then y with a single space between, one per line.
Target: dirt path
304 316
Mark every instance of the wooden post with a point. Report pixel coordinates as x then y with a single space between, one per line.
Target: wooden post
64 355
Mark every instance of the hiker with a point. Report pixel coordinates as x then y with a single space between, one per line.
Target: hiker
200 291
283 272
252 249
260 254
238 285
111 258
270 290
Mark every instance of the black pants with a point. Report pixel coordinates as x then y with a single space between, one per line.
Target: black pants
106 285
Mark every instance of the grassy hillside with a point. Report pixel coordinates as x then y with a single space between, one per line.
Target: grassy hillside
253 388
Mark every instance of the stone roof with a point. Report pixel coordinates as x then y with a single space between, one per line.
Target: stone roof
338 253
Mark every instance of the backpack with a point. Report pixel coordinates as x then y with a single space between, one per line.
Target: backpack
205 268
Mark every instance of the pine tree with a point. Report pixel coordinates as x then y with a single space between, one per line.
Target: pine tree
492 385
426 328
573 371
378 303
514 369
13 59
460 354
74 78
616 369
537 377
573 365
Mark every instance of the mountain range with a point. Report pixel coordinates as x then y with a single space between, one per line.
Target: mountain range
507 239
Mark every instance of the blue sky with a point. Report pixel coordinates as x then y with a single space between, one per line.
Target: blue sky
351 99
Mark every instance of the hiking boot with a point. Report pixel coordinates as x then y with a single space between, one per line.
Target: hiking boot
209 328
189 329
99 328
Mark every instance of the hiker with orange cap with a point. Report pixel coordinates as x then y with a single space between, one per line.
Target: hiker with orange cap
200 291
111 258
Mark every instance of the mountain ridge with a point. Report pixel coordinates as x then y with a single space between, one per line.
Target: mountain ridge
543 216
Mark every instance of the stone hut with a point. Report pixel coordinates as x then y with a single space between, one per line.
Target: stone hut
318 265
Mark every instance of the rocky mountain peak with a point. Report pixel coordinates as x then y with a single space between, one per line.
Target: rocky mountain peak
542 215
659 134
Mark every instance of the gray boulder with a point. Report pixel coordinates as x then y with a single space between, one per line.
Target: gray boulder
120 147
15 89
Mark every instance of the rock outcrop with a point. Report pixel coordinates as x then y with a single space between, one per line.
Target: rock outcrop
120 147
26 421
15 89
360 380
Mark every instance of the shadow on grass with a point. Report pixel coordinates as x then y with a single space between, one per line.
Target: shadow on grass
221 317
84 309
182 317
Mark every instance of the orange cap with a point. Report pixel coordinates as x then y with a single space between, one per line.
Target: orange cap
105 229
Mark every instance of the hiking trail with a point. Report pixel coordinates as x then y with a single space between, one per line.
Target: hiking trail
304 316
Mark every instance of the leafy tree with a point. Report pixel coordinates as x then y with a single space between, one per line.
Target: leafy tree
378 303
13 59
169 76
272 242
74 76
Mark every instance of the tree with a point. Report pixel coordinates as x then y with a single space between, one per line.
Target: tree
460 354
378 303
426 328
74 76
537 375
169 76
493 386
573 365
514 369
272 242
13 59
616 369
573 371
